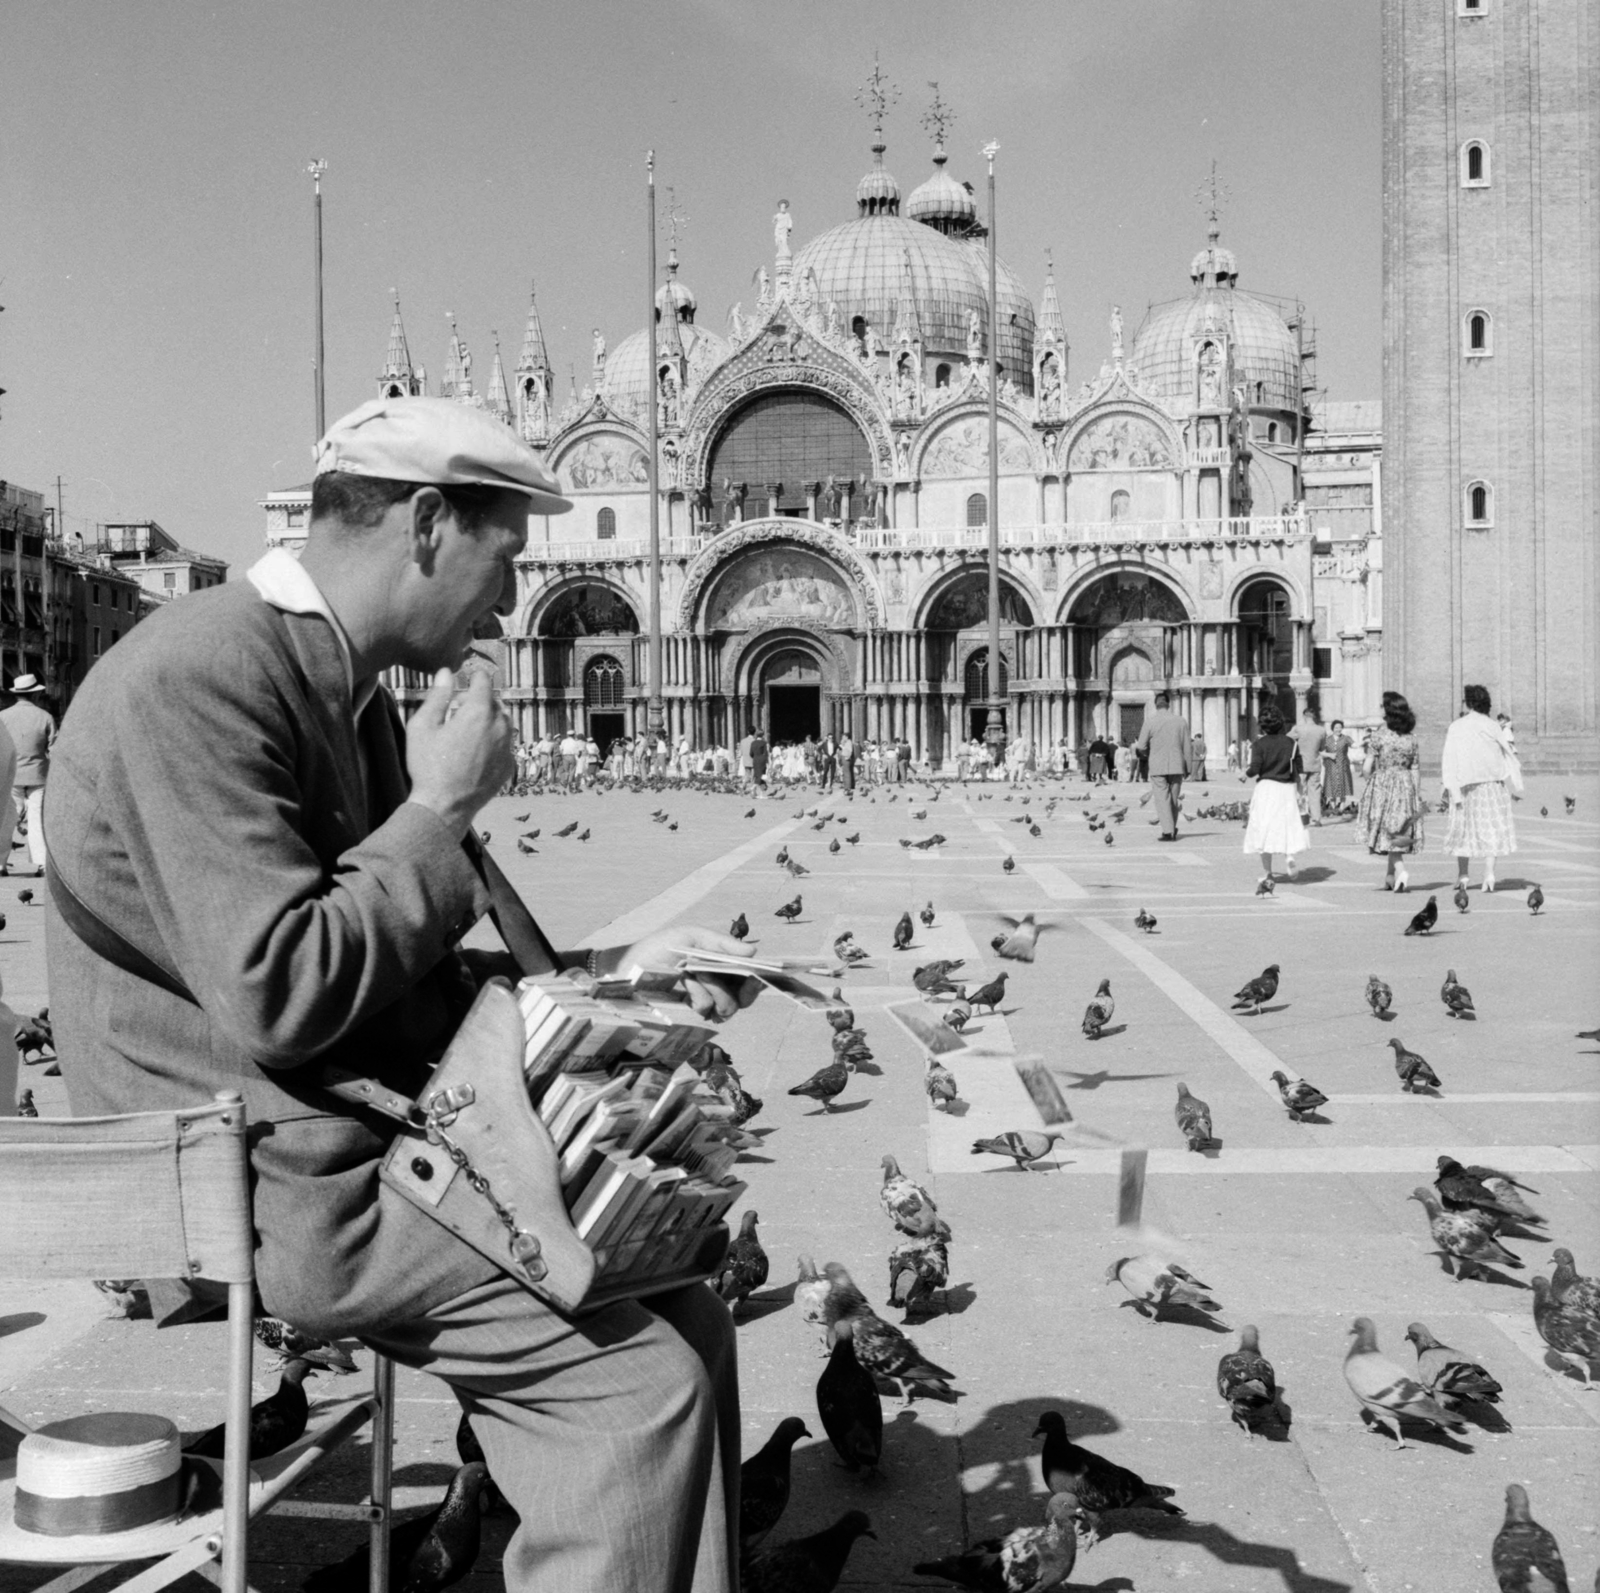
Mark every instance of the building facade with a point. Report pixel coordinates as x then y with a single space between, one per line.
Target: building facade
157 561
1492 364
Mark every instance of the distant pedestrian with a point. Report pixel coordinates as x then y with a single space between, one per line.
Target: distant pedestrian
1233 757
1197 757
1480 774
33 732
1391 814
1337 786
1310 738
1166 742
1275 825
1099 753
758 759
847 762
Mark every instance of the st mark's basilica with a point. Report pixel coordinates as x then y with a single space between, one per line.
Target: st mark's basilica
824 502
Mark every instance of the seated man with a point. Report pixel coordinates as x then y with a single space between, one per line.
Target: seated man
261 871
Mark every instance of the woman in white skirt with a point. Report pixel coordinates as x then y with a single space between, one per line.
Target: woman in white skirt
1476 767
1275 824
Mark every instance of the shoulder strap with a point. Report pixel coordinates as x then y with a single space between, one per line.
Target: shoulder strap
107 942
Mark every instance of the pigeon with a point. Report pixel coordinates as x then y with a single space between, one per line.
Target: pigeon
291 1344
833 845
959 1015
916 1268
128 1296
1245 1379
1423 921
275 1422
1572 1333
789 910
940 1083
1035 831
1544 813
1255 991
434 1551
25 896
811 1292
764 1482
522 818
585 835
740 927
35 1038
1415 1074
1155 1286
1535 901
1455 996
1385 1391
840 1015
1025 1560
905 1203
1460 1189
1457 1234
1570 1289
782 858
1587 1034
1461 899
933 978
1018 946
1447 1374
526 849
471 1452
1009 864
1143 920
1111 840
825 1084
850 1047
853 839
571 829
530 835
484 837
1571 803
821 824
807 1565
751 813
848 1403
1299 1097
903 932
1526 1556
1379 996
1096 1483
1024 1146
989 995
1193 1118
25 1106
921 814
796 870
884 1350
744 1268
1102 1007
1264 885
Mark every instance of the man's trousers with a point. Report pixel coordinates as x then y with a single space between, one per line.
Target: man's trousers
29 800
615 1435
1168 791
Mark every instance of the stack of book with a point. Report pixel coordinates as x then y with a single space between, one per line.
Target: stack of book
645 1151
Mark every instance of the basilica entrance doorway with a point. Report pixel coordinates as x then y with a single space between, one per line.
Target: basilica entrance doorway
792 689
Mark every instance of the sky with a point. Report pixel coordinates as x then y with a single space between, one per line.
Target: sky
156 258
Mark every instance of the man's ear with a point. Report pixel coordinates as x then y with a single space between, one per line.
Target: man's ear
427 510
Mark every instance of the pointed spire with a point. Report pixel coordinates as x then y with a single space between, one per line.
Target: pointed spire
536 381
1051 323
669 340
399 379
534 357
498 402
907 325
457 368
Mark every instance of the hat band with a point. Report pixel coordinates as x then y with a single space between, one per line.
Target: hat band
144 1506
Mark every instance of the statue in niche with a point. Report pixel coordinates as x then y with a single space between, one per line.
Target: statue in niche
974 337
599 358
833 321
782 226
763 287
732 498
1116 334
1210 374
895 585
905 396
1050 573
903 444
670 395
828 499
1049 388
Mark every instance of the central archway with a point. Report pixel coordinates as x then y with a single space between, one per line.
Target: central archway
791 695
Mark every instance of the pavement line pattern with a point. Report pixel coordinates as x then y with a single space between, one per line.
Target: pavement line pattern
1508 1098
1056 885
1252 1057
1261 1161
677 899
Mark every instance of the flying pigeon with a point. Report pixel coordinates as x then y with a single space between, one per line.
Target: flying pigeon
1447 1374
825 1083
1422 922
275 1422
1525 1556
1570 1331
1102 1007
744 1267
1457 1001
1024 1146
1298 1096
1018 946
903 932
1379 996
940 1084
790 910
1245 1379
848 1403
812 1564
1025 1560
906 1203
1461 1235
1155 1286
1386 1392
1535 901
764 1482
1193 1118
1415 1074
1096 1483
1255 991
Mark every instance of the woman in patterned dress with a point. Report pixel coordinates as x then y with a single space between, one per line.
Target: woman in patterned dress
1475 768
1391 811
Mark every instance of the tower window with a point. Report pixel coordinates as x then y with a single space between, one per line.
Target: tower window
977 510
1479 505
1471 8
605 525
1480 333
1475 164
1261 392
941 376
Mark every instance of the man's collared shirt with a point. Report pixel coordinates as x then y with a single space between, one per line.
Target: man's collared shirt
285 583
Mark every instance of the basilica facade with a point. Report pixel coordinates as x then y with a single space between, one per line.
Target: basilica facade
824 502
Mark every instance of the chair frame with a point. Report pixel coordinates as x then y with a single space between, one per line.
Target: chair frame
191 1168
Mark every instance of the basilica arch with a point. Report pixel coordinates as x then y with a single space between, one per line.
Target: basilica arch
709 570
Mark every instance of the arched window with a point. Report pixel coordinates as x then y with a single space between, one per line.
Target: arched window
1272 431
605 525
1475 164
941 376
1119 504
787 439
1479 505
1480 333
1261 392
977 676
977 510
602 683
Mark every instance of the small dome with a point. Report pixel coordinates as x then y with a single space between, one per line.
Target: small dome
878 194
941 202
1214 263
626 383
680 296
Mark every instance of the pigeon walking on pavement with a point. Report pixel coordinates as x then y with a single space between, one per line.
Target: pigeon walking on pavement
940 1083
275 1422
1461 899
1570 1288
1447 1374
1096 1483
1460 1189
903 932
1155 1286
1525 1556
906 1203
740 927
1193 1118
1422 922
1025 1560
1386 1391
825 1084
918 1268
1379 996
926 915
764 1482
789 910
989 995
1570 1331
1023 1146
1143 920
811 1564
1299 1097
1535 901
1246 1380
883 1349
1100 1011
1455 996
848 1403
744 1268
1459 1235
1415 1074
1255 992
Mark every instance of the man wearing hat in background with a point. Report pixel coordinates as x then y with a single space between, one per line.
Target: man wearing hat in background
32 732
256 867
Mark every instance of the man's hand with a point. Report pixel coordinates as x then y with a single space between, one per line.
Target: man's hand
668 950
458 759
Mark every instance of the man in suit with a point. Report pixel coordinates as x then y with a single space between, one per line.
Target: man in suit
33 731
1165 740
1310 738
257 870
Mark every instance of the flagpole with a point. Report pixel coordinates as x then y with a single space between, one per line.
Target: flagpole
994 729
316 169
655 709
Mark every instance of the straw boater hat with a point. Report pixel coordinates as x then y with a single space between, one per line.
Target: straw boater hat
97 1474
26 685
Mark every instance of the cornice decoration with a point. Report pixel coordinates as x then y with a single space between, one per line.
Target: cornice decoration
710 559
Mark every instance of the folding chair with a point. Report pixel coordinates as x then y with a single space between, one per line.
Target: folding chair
163 1195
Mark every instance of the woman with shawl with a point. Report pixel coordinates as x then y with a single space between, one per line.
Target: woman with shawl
1475 769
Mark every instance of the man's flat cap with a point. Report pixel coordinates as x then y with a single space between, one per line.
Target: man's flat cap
438 442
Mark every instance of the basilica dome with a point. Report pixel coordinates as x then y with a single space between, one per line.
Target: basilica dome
861 264
1266 355
627 380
